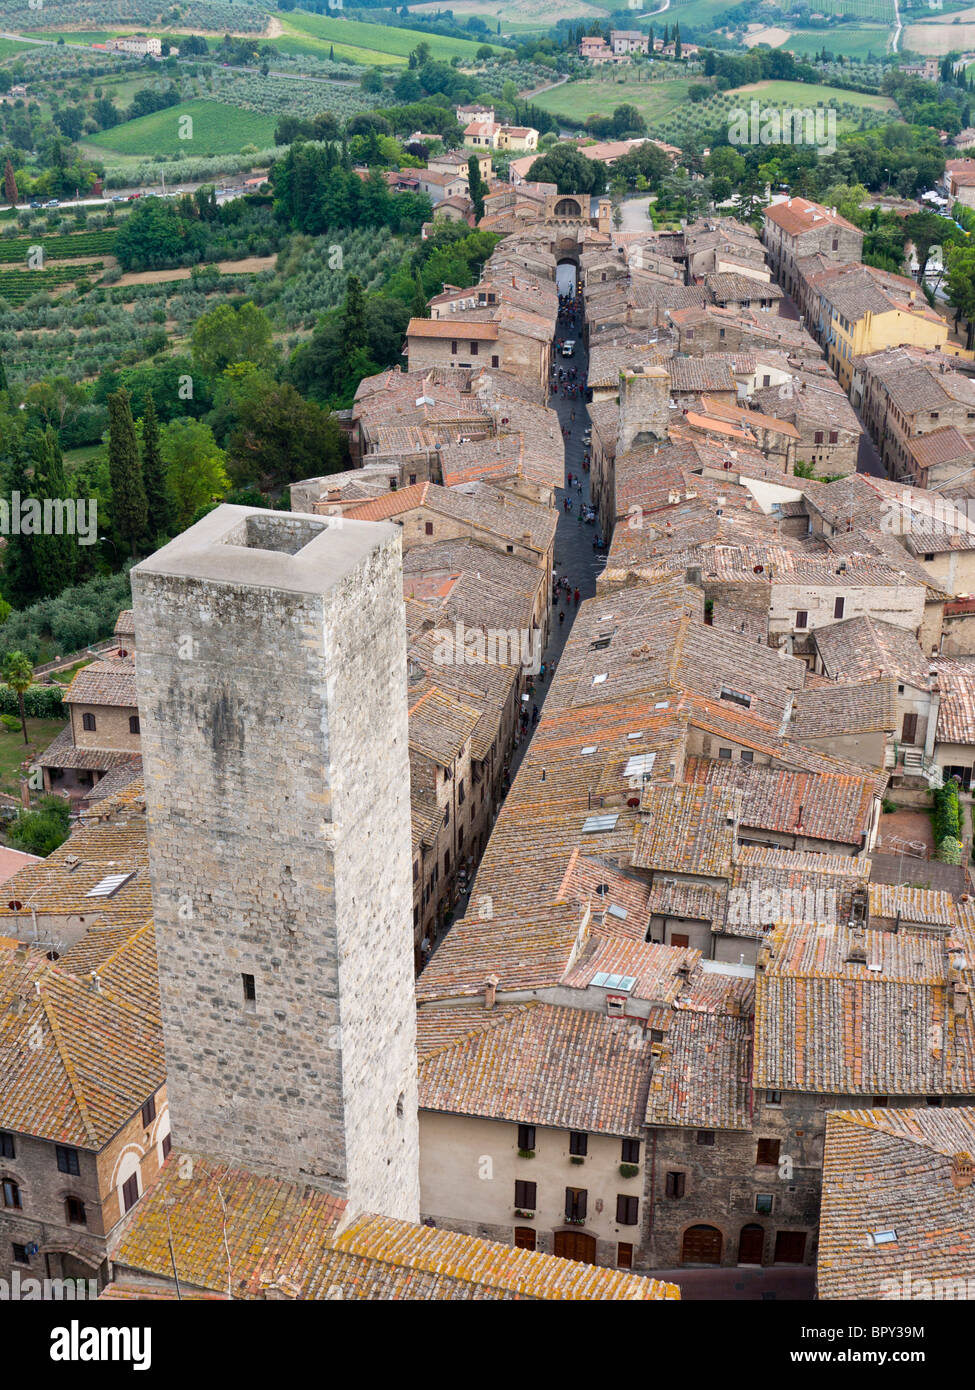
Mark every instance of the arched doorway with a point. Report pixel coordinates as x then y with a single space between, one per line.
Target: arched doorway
701 1246
568 207
575 1245
751 1244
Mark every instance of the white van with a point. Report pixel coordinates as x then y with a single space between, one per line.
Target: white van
568 348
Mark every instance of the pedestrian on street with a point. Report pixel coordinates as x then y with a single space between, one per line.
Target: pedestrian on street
577 597
578 484
566 504
570 480
561 617
534 714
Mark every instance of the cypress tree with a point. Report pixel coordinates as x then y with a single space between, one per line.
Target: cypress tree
4 385
54 555
10 184
21 586
158 502
419 309
354 334
129 507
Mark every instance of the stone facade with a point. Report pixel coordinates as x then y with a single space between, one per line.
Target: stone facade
272 674
76 1249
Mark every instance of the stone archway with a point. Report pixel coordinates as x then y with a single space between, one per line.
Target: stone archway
569 208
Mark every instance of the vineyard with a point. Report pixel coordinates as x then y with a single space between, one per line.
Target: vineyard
18 286
217 128
15 250
364 43
215 15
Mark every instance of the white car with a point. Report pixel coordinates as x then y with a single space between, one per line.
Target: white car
568 348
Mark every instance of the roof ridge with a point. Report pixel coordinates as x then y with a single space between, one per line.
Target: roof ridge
68 1065
464 1038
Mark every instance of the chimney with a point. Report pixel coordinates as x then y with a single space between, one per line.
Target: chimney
962 1170
857 952
490 991
96 984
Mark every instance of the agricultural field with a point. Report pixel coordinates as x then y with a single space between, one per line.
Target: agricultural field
315 35
668 113
935 37
217 129
855 41
18 286
574 101
519 16
15 250
218 16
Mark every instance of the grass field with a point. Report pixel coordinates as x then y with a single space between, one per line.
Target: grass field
8 47
600 96
315 35
852 42
217 129
13 750
802 94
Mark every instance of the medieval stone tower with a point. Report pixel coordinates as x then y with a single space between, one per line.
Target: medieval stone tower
272 697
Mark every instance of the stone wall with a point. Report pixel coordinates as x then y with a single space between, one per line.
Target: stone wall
272 690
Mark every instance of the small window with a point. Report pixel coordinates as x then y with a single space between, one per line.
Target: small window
706 1137
578 1143
21 1256
525 1196
764 1202
880 1102
767 1153
675 1185
818 437
130 1192
88 723
725 753
416 871
627 1210
250 989
802 619
412 479
496 362
930 555
8 1149
656 1035
747 756
630 1152
838 606
67 1160
148 1112
453 347
834 437
576 1203
473 349
133 723
526 1137
11 1193
74 1210
167 1146
773 1097
933 1100
428 528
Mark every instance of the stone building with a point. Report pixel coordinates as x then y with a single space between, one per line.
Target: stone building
103 726
290 918
796 228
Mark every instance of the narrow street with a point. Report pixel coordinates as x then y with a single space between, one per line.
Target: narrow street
575 558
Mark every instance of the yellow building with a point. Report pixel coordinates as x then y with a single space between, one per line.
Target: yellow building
859 310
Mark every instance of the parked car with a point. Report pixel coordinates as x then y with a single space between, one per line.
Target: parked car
52 203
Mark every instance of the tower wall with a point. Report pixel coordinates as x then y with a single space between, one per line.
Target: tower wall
272 694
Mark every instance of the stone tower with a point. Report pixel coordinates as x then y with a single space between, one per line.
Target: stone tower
272 696
644 412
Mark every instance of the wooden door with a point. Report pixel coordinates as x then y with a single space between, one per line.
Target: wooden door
575 1245
750 1245
790 1247
701 1246
524 1238
909 731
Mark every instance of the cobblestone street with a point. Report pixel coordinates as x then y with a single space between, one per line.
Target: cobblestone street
575 557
